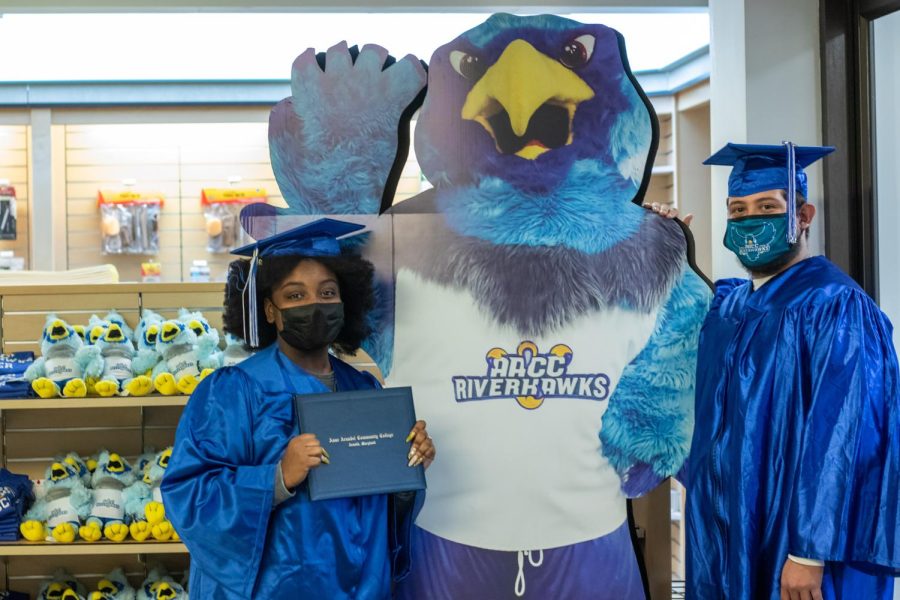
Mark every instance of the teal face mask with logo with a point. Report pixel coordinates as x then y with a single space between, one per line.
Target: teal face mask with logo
759 240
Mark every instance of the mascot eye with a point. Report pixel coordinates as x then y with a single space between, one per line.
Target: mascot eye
578 51
468 65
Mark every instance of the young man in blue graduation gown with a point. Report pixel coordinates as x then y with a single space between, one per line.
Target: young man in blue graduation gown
234 487
794 471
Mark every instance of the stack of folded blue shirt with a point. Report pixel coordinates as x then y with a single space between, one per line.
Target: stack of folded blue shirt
12 370
16 496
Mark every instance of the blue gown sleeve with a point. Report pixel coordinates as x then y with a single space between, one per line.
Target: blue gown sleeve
846 501
217 497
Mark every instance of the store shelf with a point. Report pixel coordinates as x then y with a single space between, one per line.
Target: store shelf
92 402
89 548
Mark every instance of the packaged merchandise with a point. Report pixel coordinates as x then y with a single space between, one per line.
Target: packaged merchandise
222 208
129 222
7 212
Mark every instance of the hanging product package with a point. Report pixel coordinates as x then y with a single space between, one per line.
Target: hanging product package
129 222
7 212
222 209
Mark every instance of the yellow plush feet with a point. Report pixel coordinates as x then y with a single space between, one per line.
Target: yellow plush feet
175 536
90 532
187 384
106 388
64 533
165 384
75 388
139 386
33 531
45 388
162 531
155 512
204 373
115 532
140 530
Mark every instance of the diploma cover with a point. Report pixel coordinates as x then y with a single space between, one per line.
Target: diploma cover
364 432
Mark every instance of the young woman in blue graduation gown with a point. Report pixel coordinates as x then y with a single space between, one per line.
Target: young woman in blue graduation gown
238 455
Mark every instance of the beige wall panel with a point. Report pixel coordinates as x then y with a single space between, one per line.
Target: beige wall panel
216 155
47 444
156 416
88 191
75 300
146 174
121 136
12 157
215 172
121 156
159 438
660 189
199 300
68 418
13 136
21 347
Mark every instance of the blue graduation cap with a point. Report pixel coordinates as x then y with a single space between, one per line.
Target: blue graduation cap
760 167
318 238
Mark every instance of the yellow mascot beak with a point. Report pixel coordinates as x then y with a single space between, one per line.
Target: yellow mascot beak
69 594
164 458
57 330
96 333
115 464
169 332
164 591
520 82
196 327
151 334
114 333
58 472
106 586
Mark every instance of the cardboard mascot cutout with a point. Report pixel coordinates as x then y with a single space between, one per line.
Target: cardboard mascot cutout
546 322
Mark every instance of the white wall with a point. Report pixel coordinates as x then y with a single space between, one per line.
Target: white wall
886 42
765 88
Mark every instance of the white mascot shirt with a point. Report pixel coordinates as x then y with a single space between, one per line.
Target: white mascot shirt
516 421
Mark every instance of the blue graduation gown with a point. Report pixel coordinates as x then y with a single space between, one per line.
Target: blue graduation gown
219 486
796 445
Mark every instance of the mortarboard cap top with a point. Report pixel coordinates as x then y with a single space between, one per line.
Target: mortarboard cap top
318 238
760 167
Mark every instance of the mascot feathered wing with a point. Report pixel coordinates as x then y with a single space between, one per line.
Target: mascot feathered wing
546 322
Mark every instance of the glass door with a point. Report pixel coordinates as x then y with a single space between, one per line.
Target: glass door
885 73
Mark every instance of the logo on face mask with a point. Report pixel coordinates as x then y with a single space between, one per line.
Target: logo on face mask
530 377
753 245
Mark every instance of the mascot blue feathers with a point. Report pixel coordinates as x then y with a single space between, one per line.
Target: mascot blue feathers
527 298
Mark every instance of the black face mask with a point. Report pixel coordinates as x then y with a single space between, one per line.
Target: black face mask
312 326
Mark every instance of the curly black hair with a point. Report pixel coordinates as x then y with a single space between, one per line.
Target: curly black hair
354 274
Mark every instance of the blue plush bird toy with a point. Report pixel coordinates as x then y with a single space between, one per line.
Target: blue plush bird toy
547 323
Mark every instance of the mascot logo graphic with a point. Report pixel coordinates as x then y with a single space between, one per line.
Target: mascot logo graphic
752 245
530 377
